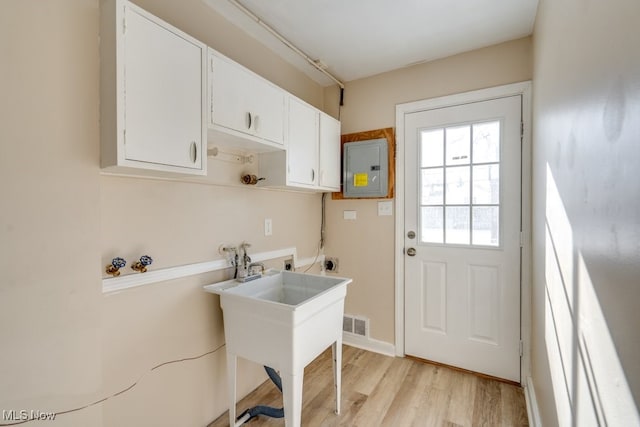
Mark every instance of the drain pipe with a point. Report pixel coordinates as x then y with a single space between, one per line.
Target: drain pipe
267 411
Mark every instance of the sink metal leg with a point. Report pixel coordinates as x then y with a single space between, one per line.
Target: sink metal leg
232 363
336 351
292 397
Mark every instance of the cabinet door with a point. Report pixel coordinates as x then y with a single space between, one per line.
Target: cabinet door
230 96
303 143
244 102
163 94
329 152
268 111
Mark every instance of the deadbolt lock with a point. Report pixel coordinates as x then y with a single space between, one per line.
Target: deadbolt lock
411 234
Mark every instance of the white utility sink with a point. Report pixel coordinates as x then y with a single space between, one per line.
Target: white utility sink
283 320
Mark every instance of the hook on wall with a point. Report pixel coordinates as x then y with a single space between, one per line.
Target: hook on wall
249 179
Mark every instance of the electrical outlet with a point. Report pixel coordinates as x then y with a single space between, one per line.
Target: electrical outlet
288 264
331 264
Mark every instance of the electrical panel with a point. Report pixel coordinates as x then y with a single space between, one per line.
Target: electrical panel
366 168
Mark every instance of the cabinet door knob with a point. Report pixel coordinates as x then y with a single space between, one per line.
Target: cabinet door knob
194 151
249 120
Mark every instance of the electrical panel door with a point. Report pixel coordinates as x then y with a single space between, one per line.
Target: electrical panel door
365 167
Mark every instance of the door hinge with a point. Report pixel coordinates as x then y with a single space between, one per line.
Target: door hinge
522 239
521 129
521 348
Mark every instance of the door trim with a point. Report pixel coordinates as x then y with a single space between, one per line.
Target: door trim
523 89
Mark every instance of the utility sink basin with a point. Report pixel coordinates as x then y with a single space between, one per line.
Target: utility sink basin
283 320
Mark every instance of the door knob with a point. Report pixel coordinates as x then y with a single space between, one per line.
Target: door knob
411 251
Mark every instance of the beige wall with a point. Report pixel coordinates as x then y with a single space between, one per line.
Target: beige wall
64 343
50 293
180 223
365 247
586 344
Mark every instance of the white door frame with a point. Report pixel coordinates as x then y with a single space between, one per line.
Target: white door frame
524 89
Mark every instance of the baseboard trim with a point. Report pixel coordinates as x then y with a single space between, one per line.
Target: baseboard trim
532 404
369 344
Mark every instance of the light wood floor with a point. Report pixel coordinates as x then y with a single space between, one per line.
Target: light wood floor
385 391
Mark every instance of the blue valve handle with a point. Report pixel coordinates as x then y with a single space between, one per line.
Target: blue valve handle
146 260
118 262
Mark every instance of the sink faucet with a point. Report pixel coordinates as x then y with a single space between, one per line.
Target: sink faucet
256 264
245 263
245 269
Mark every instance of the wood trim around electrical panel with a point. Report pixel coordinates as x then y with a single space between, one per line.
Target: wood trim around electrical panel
387 133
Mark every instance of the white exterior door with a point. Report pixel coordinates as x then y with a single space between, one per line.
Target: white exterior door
462 236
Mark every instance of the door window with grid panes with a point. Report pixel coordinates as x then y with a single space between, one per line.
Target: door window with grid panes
460 184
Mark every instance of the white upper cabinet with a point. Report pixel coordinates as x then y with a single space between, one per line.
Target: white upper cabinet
303 143
312 158
329 153
165 96
246 111
153 97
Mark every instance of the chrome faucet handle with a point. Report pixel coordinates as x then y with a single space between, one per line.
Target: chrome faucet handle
246 259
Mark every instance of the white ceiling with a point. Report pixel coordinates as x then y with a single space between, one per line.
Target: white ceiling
360 38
